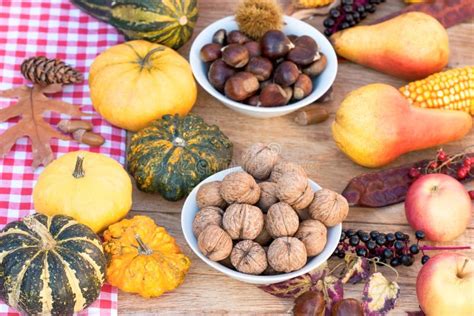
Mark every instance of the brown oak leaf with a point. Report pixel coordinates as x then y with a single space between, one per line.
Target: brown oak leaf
32 103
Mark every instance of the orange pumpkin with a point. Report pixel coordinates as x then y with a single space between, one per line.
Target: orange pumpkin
143 257
134 83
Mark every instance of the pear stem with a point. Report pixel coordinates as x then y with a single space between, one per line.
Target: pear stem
463 266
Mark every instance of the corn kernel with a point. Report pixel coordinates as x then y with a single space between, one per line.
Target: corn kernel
452 89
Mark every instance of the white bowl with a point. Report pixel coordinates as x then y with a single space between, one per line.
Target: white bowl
190 209
292 26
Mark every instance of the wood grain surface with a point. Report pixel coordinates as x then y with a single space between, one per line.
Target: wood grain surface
206 291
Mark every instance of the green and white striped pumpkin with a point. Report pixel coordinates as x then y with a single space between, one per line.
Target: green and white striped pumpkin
167 22
50 265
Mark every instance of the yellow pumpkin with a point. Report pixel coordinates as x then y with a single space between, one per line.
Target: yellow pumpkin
92 188
143 257
134 83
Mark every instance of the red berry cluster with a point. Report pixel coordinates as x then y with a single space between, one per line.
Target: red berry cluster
461 165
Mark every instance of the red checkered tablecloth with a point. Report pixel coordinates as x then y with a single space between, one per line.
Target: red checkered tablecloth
52 28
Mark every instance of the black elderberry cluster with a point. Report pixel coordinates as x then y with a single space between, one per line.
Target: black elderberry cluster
348 14
392 248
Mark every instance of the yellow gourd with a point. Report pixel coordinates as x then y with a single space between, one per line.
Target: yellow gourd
143 257
137 82
92 188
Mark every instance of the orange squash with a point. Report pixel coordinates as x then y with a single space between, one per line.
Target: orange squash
136 82
143 257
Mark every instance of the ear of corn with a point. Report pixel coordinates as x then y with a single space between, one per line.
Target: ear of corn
306 4
451 90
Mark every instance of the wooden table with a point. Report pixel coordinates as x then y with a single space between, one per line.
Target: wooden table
206 291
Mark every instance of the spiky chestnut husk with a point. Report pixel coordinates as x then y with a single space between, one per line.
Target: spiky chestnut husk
256 17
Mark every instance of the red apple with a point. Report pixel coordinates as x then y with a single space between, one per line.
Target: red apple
445 285
439 205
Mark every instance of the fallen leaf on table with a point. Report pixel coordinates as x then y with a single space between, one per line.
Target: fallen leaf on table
296 286
32 103
358 269
447 12
332 289
380 295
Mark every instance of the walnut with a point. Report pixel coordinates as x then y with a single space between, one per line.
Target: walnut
240 187
287 254
294 189
243 221
209 195
215 243
226 263
281 220
259 159
207 216
313 234
249 257
268 195
303 214
328 207
283 167
264 237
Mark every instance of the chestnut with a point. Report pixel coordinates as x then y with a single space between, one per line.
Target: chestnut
310 303
253 48
275 44
218 74
289 94
265 83
305 51
220 37
273 95
261 67
347 307
235 55
286 73
210 52
241 86
254 100
292 38
237 37
303 87
316 67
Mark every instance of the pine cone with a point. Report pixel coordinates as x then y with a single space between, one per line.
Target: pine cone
44 71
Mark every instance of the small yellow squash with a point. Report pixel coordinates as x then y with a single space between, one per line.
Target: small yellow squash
92 188
143 257
137 82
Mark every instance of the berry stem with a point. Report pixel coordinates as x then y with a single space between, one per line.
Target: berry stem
425 247
376 260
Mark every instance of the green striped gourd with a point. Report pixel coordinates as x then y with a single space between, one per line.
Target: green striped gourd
167 22
50 265
173 154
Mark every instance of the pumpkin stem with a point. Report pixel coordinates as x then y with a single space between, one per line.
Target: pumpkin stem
47 240
142 247
78 169
145 62
179 142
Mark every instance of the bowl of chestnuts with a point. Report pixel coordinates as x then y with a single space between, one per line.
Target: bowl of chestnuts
273 76
264 222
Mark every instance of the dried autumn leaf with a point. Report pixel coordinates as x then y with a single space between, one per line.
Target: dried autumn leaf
447 12
332 289
358 269
295 287
379 295
32 103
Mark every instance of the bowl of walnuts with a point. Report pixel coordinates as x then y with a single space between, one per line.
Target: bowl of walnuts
277 74
264 222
